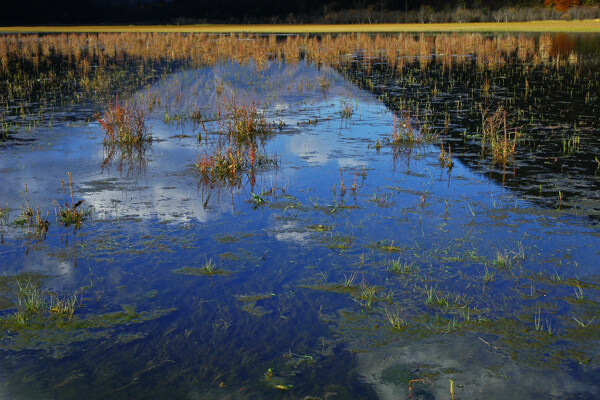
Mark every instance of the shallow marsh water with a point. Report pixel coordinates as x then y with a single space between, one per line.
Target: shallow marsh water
446 278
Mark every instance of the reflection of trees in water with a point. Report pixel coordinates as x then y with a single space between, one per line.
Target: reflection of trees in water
562 44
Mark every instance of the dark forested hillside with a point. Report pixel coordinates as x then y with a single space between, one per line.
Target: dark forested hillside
28 12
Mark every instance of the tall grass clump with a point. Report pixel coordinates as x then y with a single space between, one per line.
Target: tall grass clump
244 122
496 137
35 304
229 163
124 123
408 130
221 164
70 213
126 136
32 219
237 151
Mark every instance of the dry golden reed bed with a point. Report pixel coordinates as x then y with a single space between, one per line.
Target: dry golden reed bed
87 49
538 26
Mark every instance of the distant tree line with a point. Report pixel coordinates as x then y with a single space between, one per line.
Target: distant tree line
75 12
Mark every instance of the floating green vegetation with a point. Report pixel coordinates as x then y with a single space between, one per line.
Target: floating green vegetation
242 255
253 298
37 306
403 267
396 318
226 238
363 294
382 200
250 303
345 287
319 228
334 207
458 302
467 256
46 332
340 242
257 200
11 283
209 268
505 260
487 276
387 246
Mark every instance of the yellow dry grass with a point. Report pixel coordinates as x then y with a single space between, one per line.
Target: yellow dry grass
538 26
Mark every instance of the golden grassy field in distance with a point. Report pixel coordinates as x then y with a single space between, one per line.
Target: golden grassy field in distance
537 26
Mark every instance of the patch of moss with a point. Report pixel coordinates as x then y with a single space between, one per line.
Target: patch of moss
387 246
319 228
56 335
250 305
397 374
232 238
200 271
252 298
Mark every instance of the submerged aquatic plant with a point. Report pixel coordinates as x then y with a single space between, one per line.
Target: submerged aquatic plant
582 323
445 158
400 267
395 318
349 280
258 200
346 109
210 268
4 217
342 186
41 224
571 145
63 306
366 296
27 214
30 298
33 302
488 277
